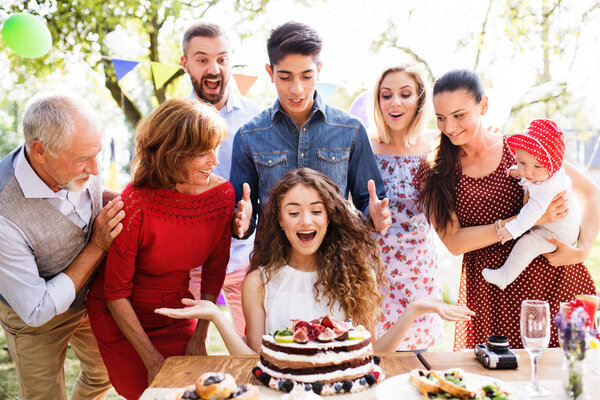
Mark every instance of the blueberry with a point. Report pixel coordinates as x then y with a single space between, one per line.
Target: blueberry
317 387
371 379
308 387
288 385
347 385
189 394
362 381
264 378
280 384
376 360
338 387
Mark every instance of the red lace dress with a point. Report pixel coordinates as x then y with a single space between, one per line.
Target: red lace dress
482 201
165 235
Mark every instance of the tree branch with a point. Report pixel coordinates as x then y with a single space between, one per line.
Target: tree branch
482 36
131 112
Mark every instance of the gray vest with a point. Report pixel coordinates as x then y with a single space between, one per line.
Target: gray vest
55 239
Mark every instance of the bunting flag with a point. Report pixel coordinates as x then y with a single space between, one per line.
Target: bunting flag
162 72
325 90
244 82
122 67
112 181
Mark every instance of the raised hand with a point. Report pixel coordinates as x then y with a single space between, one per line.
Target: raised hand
378 210
449 312
197 309
243 215
107 225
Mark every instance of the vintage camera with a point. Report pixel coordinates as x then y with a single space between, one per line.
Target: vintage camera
495 354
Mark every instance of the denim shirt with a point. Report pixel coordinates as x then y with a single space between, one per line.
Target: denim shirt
330 141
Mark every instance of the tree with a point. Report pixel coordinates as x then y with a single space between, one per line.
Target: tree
83 29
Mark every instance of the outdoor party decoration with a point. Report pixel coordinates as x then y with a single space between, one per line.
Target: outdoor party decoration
574 325
27 35
358 108
123 67
325 90
162 72
244 82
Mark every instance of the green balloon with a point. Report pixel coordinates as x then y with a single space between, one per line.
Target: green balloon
27 35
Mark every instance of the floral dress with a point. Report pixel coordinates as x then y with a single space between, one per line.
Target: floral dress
408 252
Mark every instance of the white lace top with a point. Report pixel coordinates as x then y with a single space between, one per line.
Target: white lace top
289 295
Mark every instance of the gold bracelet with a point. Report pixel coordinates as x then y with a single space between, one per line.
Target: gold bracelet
498 227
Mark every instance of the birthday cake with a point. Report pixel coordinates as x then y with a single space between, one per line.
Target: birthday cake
326 356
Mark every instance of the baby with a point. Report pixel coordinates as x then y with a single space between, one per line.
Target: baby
539 152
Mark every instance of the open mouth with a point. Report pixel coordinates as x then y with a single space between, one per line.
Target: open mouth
306 236
296 102
396 115
212 83
454 134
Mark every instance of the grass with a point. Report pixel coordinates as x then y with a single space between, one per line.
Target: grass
9 389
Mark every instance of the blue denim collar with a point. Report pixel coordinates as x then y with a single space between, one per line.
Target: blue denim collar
318 108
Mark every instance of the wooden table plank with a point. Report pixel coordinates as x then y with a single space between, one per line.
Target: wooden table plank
550 363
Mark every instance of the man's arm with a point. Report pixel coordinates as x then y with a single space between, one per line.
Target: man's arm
243 171
362 167
35 300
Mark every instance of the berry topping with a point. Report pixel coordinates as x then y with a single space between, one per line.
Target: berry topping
214 378
376 374
371 379
287 385
308 387
338 387
264 378
317 387
347 385
256 371
362 381
189 394
376 360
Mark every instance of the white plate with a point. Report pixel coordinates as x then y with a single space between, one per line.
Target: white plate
399 385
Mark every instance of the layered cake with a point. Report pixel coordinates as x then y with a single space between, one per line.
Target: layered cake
326 356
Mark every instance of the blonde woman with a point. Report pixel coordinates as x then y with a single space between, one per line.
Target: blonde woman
402 108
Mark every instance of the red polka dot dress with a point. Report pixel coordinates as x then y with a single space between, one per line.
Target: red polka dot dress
481 201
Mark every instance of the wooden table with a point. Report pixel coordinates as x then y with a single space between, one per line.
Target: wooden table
178 372
183 371
549 370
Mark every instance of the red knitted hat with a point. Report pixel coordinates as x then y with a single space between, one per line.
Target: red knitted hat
544 140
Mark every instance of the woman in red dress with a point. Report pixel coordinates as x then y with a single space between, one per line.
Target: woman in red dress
177 216
466 192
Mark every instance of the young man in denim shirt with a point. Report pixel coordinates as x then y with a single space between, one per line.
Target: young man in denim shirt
300 130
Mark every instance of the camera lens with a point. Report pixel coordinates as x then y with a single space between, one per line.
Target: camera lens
498 343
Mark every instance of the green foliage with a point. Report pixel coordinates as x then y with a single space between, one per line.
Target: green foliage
83 29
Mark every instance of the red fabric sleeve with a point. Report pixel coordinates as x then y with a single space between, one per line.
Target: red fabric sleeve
422 175
215 268
120 261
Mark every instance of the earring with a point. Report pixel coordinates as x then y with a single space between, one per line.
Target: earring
282 228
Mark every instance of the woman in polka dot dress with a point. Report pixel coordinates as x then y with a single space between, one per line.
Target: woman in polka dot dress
467 190
402 108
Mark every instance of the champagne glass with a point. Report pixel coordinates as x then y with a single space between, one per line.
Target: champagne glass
535 334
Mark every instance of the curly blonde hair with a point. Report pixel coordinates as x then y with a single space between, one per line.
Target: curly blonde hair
349 268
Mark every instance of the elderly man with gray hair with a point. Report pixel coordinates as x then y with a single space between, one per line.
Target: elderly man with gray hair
54 233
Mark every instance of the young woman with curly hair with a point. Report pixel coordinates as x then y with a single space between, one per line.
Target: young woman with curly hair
313 256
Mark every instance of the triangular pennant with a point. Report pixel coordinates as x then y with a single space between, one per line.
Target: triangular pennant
325 90
122 67
244 82
162 72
